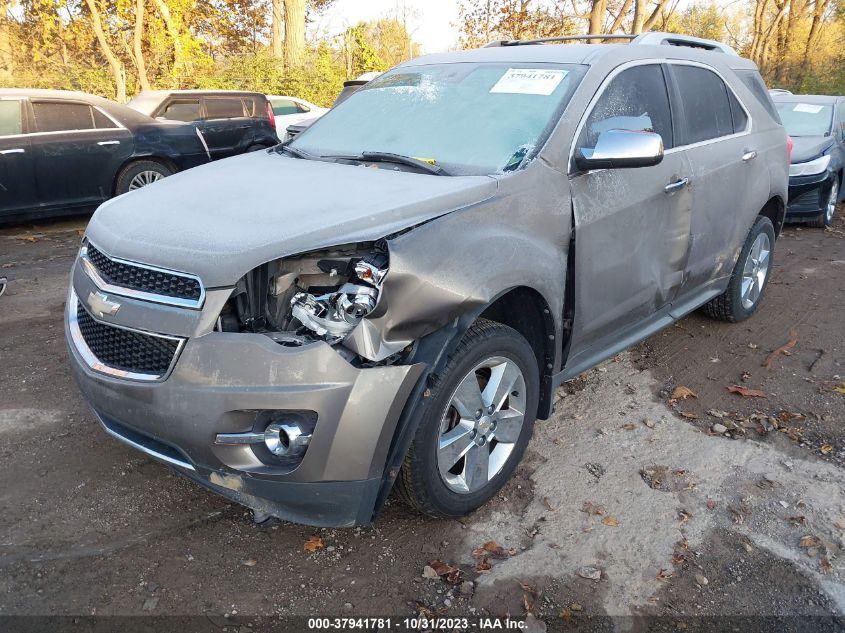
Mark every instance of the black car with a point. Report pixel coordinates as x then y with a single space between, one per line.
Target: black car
816 124
231 122
66 152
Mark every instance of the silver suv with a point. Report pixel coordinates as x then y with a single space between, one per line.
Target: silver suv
393 297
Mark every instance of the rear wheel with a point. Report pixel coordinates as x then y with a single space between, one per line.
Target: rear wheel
750 275
140 174
825 218
478 420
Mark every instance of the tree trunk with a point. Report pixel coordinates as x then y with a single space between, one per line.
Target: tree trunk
6 59
599 8
620 18
294 32
639 17
138 45
819 9
114 62
656 14
173 31
276 39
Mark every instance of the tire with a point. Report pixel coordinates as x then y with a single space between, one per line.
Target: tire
733 305
825 218
139 174
425 481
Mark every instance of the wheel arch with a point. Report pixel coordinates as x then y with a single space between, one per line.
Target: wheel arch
775 210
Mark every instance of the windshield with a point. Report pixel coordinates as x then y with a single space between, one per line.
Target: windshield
469 118
806 119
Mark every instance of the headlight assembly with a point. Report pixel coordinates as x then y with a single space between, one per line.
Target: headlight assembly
810 168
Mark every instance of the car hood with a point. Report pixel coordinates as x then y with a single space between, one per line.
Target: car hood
219 221
809 147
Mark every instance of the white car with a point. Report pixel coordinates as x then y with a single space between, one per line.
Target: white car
290 110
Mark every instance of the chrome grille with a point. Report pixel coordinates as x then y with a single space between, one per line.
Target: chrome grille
142 281
120 351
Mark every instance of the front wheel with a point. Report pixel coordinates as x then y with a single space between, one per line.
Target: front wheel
477 422
750 275
825 218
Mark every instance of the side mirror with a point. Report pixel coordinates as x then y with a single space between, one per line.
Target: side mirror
617 149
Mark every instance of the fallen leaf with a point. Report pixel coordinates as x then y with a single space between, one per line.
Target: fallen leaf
548 504
591 508
452 575
611 521
565 614
690 415
682 393
747 393
527 587
840 388
492 548
250 563
664 575
825 565
809 541
796 520
628 427
793 340
711 503
684 516
483 566
313 544
826 449
427 612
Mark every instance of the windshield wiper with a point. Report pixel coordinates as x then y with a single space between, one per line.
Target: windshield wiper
293 151
389 157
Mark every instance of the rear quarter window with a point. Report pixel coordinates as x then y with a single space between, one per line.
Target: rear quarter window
224 108
754 82
706 105
54 116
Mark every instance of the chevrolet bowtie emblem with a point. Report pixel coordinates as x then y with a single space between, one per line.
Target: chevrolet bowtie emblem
101 305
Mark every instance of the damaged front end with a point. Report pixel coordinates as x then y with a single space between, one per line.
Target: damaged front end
318 296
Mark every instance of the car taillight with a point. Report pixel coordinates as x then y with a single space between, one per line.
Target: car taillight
271 116
789 145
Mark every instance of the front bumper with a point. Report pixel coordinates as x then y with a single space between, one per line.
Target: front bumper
808 195
218 384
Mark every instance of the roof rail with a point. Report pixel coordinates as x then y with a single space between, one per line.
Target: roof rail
563 38
650 38
657 38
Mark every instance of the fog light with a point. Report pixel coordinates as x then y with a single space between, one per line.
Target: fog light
286 439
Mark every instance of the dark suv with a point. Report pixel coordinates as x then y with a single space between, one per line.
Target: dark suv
231 122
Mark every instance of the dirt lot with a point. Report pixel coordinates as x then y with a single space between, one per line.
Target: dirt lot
713 504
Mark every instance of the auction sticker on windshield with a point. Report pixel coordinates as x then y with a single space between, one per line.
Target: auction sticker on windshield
809 108
529 81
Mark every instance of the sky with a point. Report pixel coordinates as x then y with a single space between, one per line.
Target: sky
431 22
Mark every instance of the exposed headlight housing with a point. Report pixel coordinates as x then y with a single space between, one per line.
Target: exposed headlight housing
810 168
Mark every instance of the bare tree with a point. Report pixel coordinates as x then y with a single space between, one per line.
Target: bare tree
138 45
114 62
276 25
294 32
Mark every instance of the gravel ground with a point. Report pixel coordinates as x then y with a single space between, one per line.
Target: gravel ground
637 500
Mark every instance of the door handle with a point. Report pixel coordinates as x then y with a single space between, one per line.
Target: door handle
747 156
672 187
109 143
18 150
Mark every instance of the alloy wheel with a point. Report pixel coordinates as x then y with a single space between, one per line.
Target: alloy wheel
481 425
831 203
144 178
756 270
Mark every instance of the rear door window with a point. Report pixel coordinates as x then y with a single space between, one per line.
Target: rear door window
10 117
224 108
281 107
187 110
54 116
740 118
635 100
707 108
